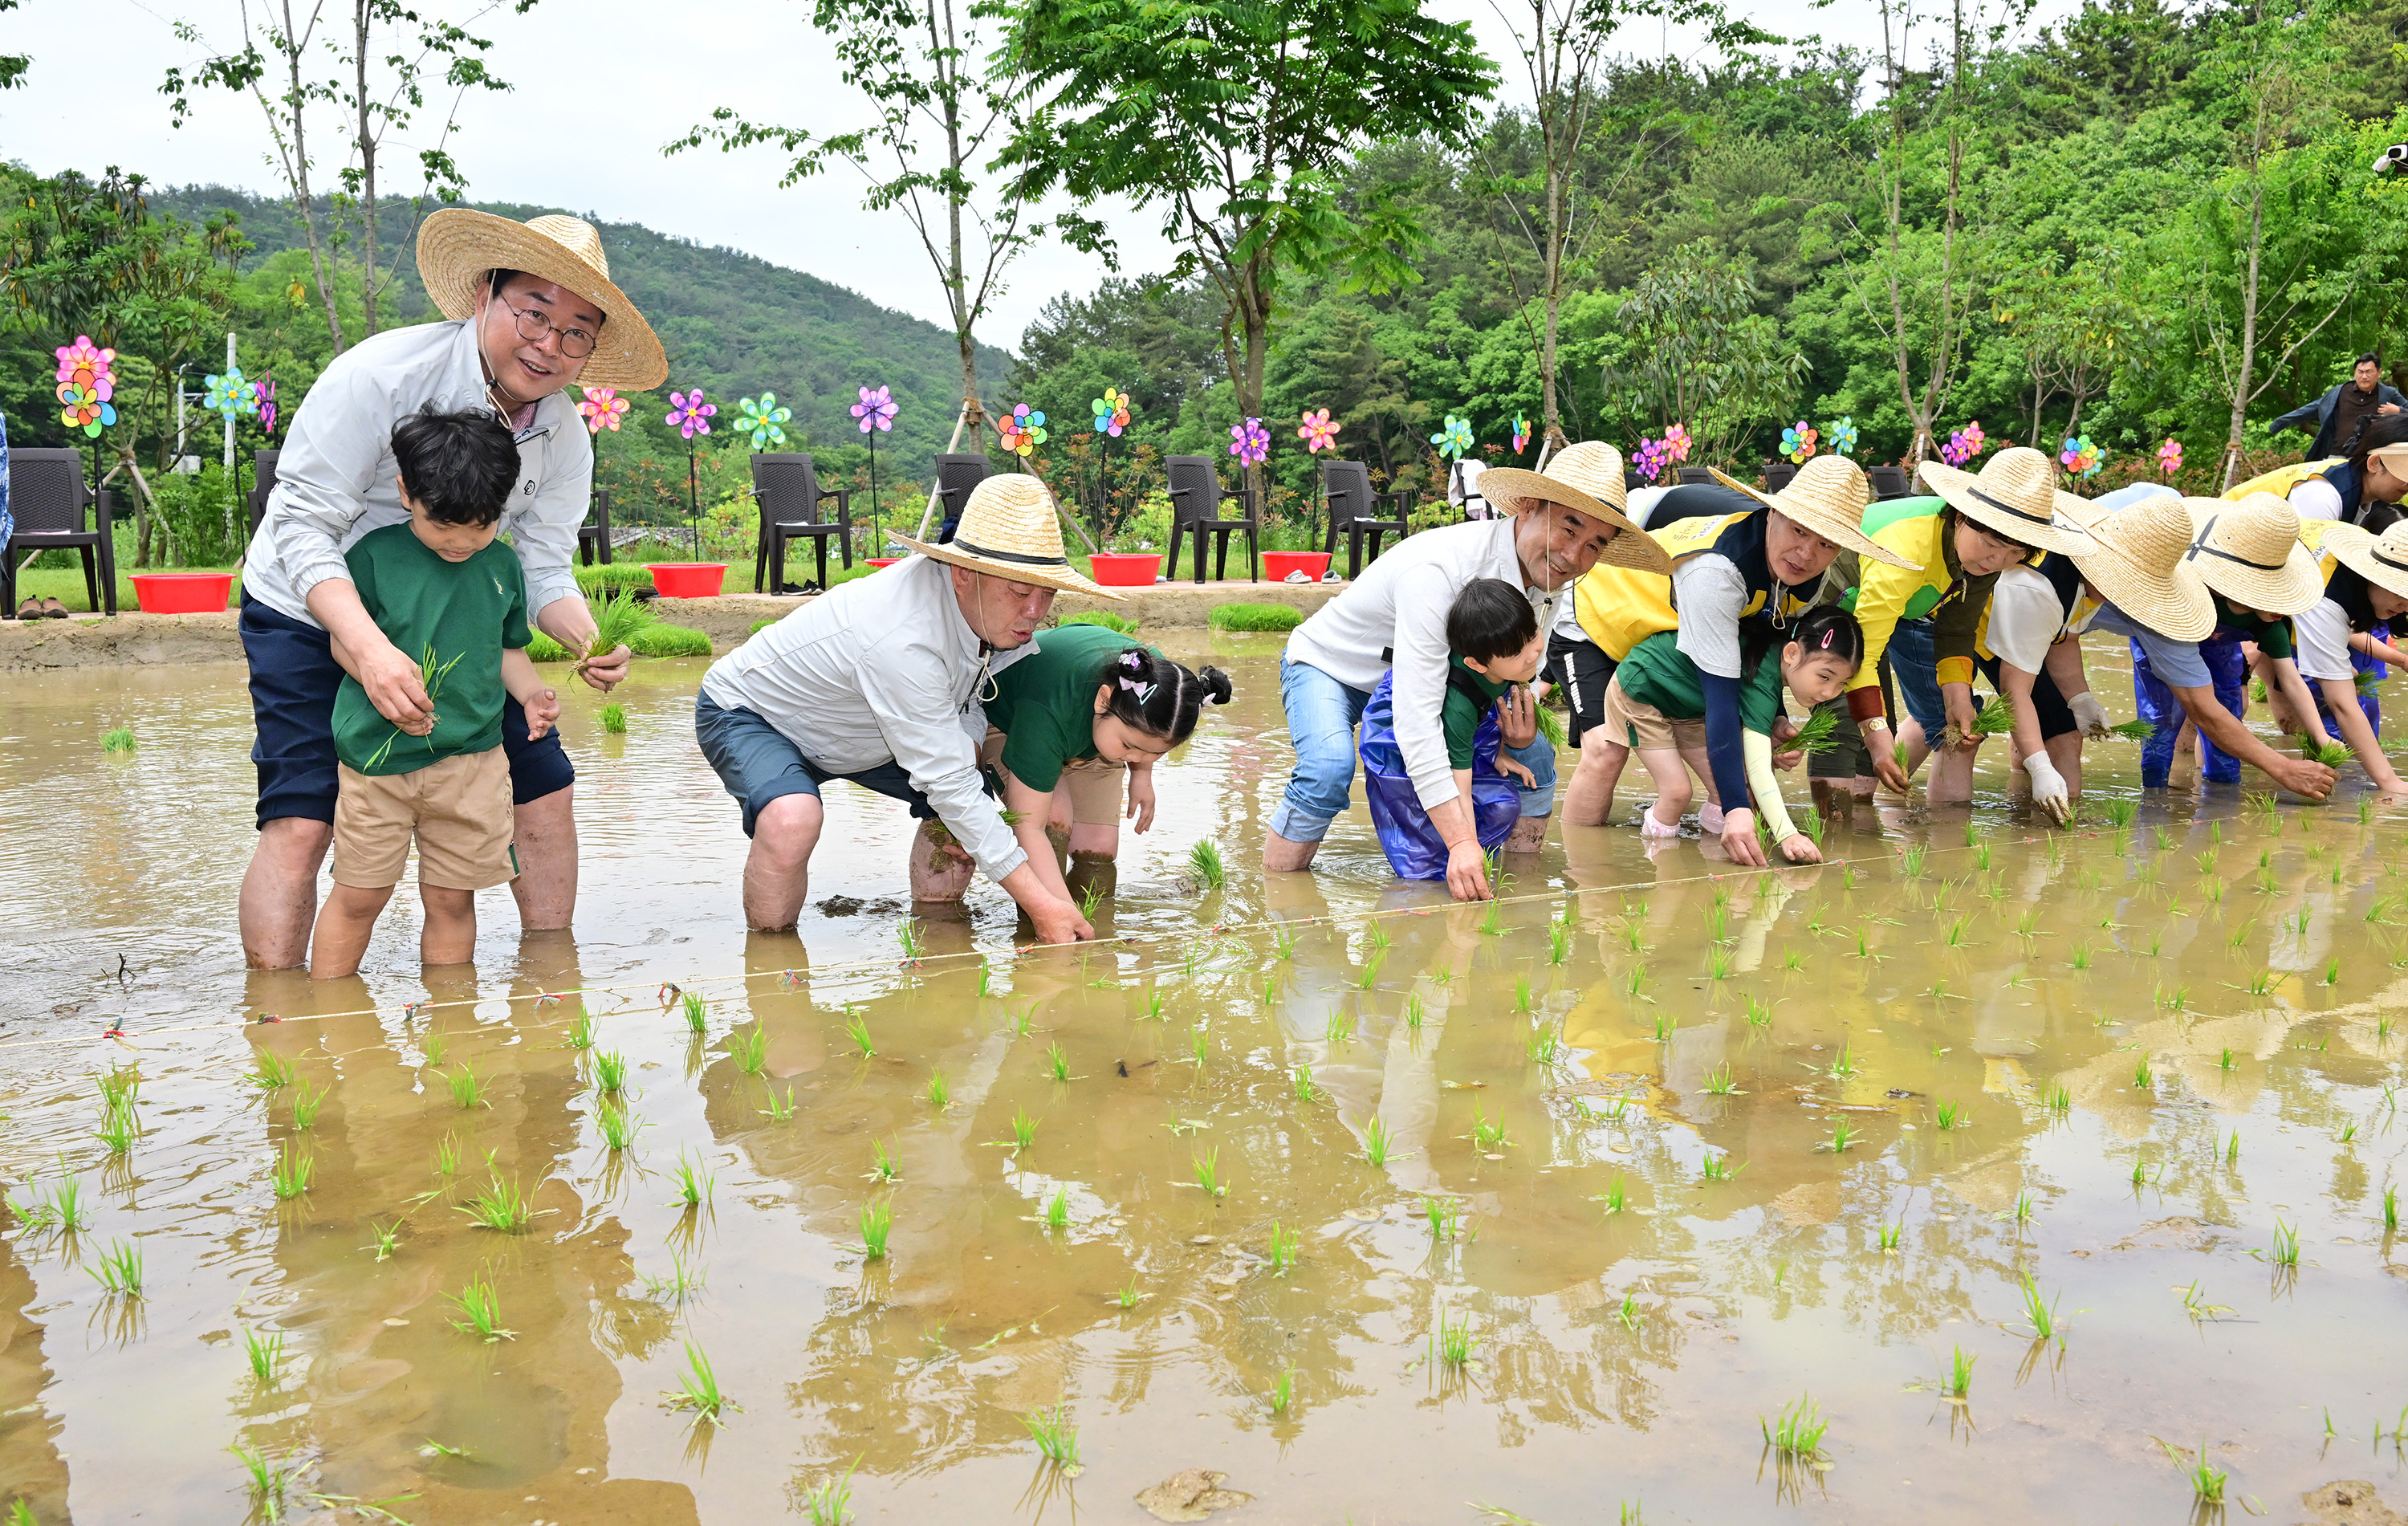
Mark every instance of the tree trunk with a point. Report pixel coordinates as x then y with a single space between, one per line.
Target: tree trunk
367 146
299 177
2248 330
1557 233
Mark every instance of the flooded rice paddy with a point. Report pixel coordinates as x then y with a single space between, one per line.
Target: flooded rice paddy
1658 1155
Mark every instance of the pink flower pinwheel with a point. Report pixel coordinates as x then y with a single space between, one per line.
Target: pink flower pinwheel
602 409
264 390
1520 433
1249 443
875 410
690 414
1677 443
1319 431
2169 456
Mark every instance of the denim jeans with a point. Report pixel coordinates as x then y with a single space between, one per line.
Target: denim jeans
1322 715
1915 667
2157 705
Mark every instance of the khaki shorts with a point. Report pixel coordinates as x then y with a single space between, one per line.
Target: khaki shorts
1093 784
458 810
1645 728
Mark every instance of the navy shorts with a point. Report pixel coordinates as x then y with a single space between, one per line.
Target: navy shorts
758 764
294 678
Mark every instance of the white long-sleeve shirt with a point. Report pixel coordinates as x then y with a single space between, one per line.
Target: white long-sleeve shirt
884 669
335 480
1395 615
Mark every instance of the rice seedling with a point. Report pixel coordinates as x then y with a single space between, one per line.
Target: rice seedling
1634 984
2081 959
263 1352
1057 1064
468 1087
694 1184
1370 976
387 1236
614 715
2164 839
119 1127
1444 1216
698 1389
1957 931
857 1029
1056 1438
1911 862
878 1222
1947 1115
2143 1078
502 1205
2140 1173
1379 1142
2060 1101
1282 1250
1284 1392
1890 1234
1844 1065
2390 1209
2027 925
1841 1137
617 1125
271 1072
2383 1028
1981 857
447 1156
432 1049
1798 1434
611 1072
1717 1167
1339 1030
2206 1483
120 1086
2286 1245
2348 1133
290 1177
1454 1340
120 1274
882 1164
1056 1214
1415 1008
1129 1297
1960 1384
1615 1198
1546 1047
1204 863
1300 1083
781 1105
2233 1149
2039 1313
1488 1136
1628 1311
1283 943
830 1502
1792 960
1493 924
1720 1084
580 1032
1559 942
268 1483
480 1312
695 1012
1719 961
2332 755
939 1092
2023 1208
750 1050
1208 1173
1632 938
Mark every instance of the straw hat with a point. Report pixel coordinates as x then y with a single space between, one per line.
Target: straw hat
1588 479
2136 563
2015 494
2250 552
1009 531
1828 496
458 246
2380 559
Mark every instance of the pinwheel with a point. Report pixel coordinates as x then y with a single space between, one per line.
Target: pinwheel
1520 433
1798 441
1843 435
1318 431
230 394
1111 411
265 390
82 408
1964 444
86 384
602 408
876 410
1022 430
86 362
760 420
1456 438
690 415
2169 456
1651 459
1249 443
1677 441
2079 457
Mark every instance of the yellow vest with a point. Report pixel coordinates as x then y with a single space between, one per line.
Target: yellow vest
2280 480
1619 607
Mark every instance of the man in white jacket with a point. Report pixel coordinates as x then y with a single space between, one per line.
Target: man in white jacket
531 310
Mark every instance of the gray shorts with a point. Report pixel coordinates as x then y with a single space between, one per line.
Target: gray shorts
758 763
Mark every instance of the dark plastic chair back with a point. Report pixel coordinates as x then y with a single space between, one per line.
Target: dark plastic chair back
788 487
263 482
1195 489
1778 475
46 489
1888 481
1692 476
956 476
1347 484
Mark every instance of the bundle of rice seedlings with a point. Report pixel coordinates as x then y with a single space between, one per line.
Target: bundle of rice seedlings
1256 617
431 675
619 624
1551 725
2332 755
1125 623
118 739
2135 730
1816 731
614 718
1996 718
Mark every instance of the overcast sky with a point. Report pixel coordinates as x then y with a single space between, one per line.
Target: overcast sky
600 86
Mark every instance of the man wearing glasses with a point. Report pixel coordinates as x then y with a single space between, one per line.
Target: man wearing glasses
530 309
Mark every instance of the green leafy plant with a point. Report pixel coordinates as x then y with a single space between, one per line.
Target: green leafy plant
698 1389
481 1311
1256 617
502 1205
877 1224
120 1273
1056 1438
291 1174
750 1050
117 738
614 718
1798 1432
1204 863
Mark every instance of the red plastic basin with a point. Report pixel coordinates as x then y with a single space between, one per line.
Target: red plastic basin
883 561
1277 565
183 593
1126 568
687 580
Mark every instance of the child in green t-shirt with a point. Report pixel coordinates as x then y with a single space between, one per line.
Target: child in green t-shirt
441 587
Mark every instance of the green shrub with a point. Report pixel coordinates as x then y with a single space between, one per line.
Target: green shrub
1256 617
665 641
542 648
607 582
1125 623
760 625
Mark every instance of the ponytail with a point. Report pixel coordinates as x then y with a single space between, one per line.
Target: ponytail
1152 693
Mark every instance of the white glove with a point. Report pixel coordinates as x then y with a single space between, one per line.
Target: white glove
2088 714
2048 790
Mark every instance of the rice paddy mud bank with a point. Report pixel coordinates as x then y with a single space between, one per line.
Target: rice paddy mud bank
129 640
1990 1173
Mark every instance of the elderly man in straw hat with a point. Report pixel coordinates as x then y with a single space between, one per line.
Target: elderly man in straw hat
1551 529
2249 557
1736 553
529 309
884 680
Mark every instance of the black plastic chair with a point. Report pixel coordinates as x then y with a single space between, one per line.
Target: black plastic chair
1355 509
1695 476
1888 481
263 482
789 491
593 536
48 497
1778 475
1195 498
956 475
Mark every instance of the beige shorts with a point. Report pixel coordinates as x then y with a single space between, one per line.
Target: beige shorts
1093 784
1647 729
458 811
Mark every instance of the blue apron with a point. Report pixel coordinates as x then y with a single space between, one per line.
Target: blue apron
1414 849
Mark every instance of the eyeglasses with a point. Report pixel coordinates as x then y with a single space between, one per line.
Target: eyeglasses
534 323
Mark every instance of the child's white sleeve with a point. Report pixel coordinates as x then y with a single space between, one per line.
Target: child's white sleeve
1766 788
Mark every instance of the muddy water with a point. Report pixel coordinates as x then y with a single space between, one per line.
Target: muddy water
2022 981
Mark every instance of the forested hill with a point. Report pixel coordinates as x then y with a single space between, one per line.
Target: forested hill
736 324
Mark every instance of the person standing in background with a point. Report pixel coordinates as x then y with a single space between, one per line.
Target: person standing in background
2339 414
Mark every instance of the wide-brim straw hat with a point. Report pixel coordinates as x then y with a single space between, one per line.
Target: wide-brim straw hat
458 246
2380 559
2250 552
1009 531
2015 494
1588 479
2136 563
1830 496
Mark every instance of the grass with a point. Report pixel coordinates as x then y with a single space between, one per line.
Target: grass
2039 1313
121 1270
1454 1340
1204 863
695 1012
1379 1142
117 738
263 1353
940 1091
1284 1249
468 1087
480 1312
2285 1251
291 1174
1960 1382
1951 1116
1023 1131
1798 1432
698 1389
877 1223
618 1126
830 1503
501 1204
694 1185
1208 1173
751 1051
1057 1064
271 1073
611 1072
1056 1438
1256 617
614 718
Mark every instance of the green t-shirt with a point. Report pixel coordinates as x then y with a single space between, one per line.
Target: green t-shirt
467 613
2273 636
1461 717
1045 703
1659 673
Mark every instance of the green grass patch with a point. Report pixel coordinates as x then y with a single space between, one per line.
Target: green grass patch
1125 623
1256 617
658 640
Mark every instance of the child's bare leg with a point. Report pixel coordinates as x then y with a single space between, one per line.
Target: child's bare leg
344 924
450 935
1710 806
1588 800
1952 775
1671 776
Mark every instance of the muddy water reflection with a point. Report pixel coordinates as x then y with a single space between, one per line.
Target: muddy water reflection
2102 1013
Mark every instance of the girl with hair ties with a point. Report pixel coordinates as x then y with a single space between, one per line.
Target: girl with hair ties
1070 721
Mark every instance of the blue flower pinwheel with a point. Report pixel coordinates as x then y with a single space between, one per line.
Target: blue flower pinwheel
1456 438
1843 435
760 421
230 394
